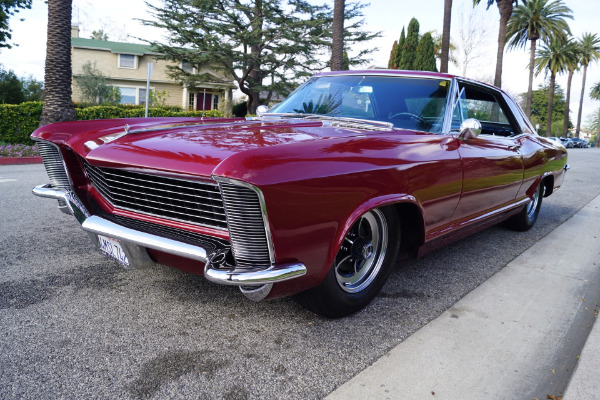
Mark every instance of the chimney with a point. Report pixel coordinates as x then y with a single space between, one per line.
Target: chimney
74 31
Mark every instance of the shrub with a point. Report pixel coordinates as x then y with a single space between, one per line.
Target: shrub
18 121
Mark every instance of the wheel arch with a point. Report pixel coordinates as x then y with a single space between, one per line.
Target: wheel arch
409 213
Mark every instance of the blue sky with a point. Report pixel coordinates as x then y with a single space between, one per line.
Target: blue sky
118 19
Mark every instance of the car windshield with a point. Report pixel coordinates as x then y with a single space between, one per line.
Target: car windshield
414 103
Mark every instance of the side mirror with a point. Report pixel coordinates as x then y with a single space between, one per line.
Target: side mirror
469 129
260 110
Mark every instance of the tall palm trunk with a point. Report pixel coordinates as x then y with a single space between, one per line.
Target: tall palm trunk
255 74
58 105
337 42
445 56
550 105
581 101
530 87
505 7
567 102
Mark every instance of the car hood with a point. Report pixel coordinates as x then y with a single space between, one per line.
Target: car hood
191 147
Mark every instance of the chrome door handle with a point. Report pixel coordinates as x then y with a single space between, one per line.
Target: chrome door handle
514 148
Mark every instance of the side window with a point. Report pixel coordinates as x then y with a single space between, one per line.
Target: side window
484 105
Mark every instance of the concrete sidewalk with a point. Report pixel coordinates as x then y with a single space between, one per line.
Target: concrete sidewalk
519 335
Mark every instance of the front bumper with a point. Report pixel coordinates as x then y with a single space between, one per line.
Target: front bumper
252 281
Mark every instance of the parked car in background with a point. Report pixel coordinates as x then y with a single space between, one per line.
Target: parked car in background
317 198
577 143
567 142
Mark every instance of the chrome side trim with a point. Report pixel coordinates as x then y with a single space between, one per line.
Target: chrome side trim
255 276
260 275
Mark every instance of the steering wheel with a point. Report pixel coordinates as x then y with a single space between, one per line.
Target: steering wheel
411 116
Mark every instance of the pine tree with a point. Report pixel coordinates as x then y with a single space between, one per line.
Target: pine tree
409 51
425 59
400 49
265 45
392 61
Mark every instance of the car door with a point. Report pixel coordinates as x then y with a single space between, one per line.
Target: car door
492 162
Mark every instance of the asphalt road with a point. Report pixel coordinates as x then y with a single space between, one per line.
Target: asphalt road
75 325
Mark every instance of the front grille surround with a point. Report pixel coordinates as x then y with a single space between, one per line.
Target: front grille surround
55 165
191 201
248 223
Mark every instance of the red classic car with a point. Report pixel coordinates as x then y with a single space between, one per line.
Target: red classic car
318 197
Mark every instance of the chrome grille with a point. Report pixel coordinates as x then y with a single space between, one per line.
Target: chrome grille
247 234
195 202
55 167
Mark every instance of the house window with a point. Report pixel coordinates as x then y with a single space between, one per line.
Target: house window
127 61
215 102
191 101
187 67
128 95
142 96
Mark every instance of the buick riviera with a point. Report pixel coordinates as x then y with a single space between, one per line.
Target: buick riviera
318 197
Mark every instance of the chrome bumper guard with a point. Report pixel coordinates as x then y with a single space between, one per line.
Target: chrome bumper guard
255 283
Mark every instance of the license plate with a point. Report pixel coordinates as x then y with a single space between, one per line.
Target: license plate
113 248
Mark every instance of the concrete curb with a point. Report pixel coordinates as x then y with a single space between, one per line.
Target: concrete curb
516 336
20 160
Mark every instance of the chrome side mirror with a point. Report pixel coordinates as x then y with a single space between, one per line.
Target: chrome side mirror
469 129
260 110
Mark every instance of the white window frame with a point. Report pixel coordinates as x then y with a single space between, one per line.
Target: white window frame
137 92
135 61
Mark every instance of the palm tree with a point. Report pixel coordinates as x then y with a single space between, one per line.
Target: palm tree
58 105
590 52
337 43
572 51
595 94
505 7
533 20
552 58
446 36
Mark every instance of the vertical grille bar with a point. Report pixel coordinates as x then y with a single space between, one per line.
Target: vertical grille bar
54 164
248 227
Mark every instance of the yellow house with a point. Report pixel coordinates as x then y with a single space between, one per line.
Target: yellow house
125 65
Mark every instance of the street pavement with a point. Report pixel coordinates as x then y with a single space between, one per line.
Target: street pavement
74 325
507 337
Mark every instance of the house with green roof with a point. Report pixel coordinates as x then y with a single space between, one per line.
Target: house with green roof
125 66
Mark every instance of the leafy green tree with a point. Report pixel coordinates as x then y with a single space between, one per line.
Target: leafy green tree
33 90
539 108
94 88
99 35
534 20
409 50
553 58
595 94
8 8
505 7
425 60
590 52
265 45
11 88
58 105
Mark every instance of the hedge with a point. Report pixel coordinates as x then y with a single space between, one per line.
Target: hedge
18 121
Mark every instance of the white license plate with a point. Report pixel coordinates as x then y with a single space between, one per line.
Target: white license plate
113 248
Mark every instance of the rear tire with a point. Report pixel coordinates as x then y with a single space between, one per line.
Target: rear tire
526 218
362 265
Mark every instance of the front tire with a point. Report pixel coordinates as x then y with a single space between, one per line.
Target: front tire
362 265
526 218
